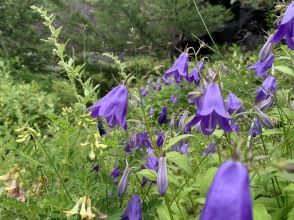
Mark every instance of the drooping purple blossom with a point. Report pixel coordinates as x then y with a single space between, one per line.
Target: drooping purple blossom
137 141
264 119
181 147
115 173
229 194
179 69
113 107
286 28
160 139
173 99
211 112
194 75
123 183
235 127
266 90
144 92
163 116
162 179
233 104
261 67
134 209
152 163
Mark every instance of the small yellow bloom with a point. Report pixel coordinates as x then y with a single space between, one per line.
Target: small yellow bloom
90 214
83 211
75 209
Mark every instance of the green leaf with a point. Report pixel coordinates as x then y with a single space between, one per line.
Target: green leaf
260 212
290 187
149 174
206 180
163 213
175 140
291 215
285 69
180 160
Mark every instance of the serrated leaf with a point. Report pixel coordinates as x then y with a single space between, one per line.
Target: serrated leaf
260 212
175 140
285 69
181 160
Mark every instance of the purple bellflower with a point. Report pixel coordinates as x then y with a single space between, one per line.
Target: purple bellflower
123 183
179 69
211 112
256 128
115 173
144 92
163 115
265 91
162 179
134 209
233 104
160 139
286 28
152 163
182 121
194 75
113 107
229 194
173 99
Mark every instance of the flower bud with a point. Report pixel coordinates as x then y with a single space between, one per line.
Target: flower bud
266 50
160 140
123 183
162 180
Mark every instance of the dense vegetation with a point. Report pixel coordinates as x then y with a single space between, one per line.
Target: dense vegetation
131 135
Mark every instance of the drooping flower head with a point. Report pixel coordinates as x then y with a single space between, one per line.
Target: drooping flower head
265 91
286 28
229 194
261 67
163 116
173 99
162 179
211 112
115 173
134 209
194 75
233 104
179 69
113 107
136 141
160 139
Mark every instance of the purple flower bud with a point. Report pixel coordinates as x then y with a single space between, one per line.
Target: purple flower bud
285 29
210 149
151 111
152 163
115 173
211 74
233 104
172 121
143 92
149 81
143 140
229 194
113 107
261 67
163 116
162 180
160 140
179 69
123 183
264 119
95 167
133 140
194 75
184 148
256 128
173 99
211 112
265 103
267 88
183 120
134 209
235 127
266 50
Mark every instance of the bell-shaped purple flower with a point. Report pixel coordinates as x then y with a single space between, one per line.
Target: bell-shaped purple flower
143 140
115 173
229 194
194 75
233 104
113 107
134 209
173 99
286 28
123 183
256 128
152 163
261 67
211 112
162 179
267 88
143 92
160 139
179 69
163 116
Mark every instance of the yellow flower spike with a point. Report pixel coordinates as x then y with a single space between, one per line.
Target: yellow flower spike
90 214
83 211
75 209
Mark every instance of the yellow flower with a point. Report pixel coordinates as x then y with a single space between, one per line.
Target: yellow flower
75 209
90 214
83 211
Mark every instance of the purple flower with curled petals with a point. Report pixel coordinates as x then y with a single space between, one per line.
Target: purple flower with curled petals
229 194
113 107
233 104
211 112
179 69
286 28
160 139
162 179
144 92
267 88
134 209
261 67
163 116
194 75
173 99
115 173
